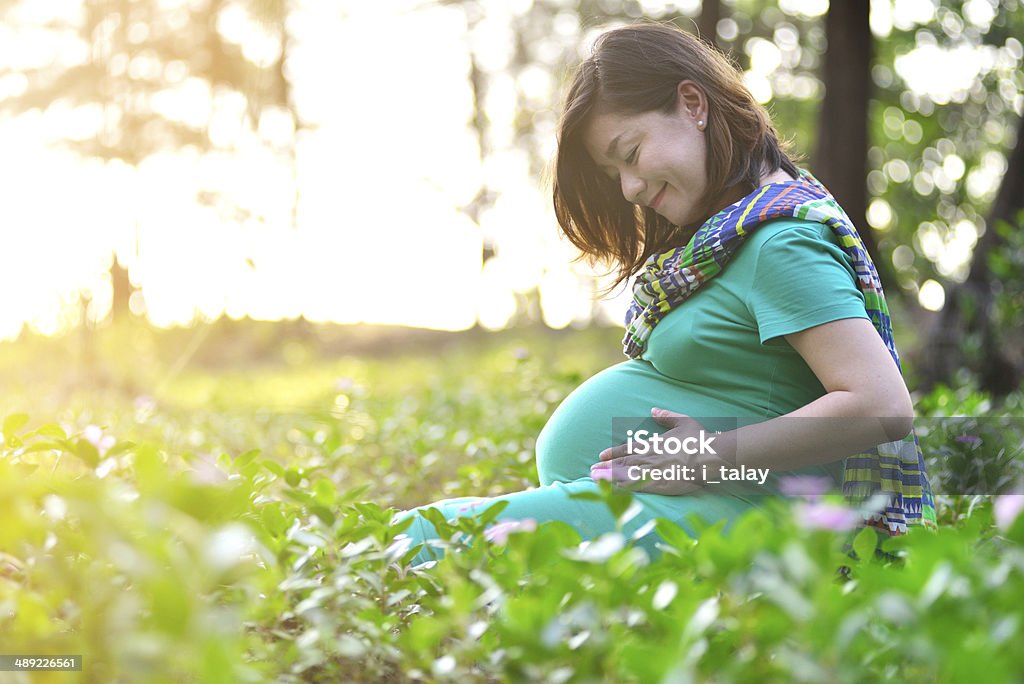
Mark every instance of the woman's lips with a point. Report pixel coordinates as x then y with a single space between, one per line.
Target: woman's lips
656 200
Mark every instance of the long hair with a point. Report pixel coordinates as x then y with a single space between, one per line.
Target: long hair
636 69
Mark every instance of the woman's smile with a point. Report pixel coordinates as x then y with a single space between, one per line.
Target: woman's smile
656 200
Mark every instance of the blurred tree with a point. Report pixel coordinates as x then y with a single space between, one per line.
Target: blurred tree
943 113
122 291
945 90
707 23
480 124
967 332
137 53
153 75
840 157
949 91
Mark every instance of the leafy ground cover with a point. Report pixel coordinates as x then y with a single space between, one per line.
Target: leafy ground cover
175 513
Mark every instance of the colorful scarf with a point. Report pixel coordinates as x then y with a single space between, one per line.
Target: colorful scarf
895 469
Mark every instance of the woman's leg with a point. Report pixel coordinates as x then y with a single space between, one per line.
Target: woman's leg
553 502
588 517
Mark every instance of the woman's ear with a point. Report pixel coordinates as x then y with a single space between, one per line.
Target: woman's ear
692 103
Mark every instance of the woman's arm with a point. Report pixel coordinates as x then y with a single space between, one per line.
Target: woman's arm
866 403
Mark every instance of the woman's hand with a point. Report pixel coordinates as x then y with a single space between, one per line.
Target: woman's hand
673 462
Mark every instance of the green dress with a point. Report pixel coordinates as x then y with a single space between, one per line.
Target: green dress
720 357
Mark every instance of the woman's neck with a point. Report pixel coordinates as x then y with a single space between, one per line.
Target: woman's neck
777 176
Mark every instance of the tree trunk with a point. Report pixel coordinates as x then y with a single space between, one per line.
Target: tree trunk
122 292
707 23
840 159
969 305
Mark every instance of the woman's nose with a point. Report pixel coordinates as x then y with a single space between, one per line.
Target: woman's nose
632 187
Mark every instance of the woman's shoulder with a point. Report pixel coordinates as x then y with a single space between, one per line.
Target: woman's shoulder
790 228
787 237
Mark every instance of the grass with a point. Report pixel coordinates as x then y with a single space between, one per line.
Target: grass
213 505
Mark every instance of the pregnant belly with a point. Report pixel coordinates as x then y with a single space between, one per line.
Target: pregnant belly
597 414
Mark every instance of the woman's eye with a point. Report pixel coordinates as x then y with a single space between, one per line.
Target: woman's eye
632 155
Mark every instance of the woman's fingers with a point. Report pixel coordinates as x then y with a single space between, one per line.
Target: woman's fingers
614 452
669 419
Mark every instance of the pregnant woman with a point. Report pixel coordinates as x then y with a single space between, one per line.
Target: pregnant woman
758 324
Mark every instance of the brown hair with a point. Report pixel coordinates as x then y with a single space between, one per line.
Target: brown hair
636 69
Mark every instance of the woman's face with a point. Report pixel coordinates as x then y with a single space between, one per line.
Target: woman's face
659 159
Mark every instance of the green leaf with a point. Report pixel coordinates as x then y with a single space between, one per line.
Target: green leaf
586 496
86 451
51 430
323 513
492 512
273 520
423 636
398 528
13 423
864 544
150 469
43 446
372 512
301 496
353 494
437 519
324 491
244 459
673 534
120 448
274 467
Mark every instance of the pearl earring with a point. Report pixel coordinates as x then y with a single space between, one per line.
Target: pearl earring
700 125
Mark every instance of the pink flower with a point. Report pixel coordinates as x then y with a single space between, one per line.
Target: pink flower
1006 508
498 534
810 486
144 402
205 471
94 435
826 516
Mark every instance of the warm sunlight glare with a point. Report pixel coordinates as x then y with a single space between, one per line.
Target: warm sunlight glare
375 234
355 216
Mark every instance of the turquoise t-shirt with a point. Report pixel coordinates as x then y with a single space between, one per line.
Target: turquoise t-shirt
719 356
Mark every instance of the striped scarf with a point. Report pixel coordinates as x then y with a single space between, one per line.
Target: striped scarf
895 469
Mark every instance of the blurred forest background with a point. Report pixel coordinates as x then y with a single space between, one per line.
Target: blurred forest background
196 164
272 269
